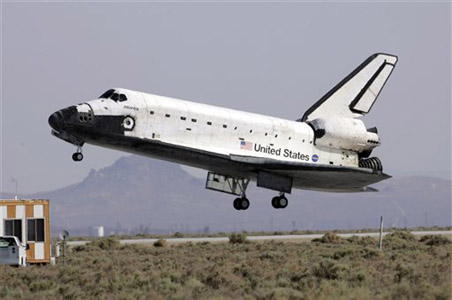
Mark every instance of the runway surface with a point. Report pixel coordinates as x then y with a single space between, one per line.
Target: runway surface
261 238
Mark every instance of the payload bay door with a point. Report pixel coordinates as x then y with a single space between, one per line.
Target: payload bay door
226 184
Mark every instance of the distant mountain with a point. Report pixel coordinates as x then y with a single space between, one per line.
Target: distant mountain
138 194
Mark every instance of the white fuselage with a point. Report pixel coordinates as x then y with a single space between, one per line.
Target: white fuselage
219 130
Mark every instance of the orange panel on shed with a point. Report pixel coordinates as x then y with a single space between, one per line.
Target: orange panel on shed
47 231
31 252
29 211
11 211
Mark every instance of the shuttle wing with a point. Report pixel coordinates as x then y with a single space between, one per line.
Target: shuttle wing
330 178
355 95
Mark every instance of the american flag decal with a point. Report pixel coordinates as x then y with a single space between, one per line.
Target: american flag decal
244 145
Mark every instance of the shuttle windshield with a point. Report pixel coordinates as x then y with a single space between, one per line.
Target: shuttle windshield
113 95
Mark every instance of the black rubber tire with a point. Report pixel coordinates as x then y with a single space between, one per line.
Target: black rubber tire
283 202
236 204
77 156
275 202
244 203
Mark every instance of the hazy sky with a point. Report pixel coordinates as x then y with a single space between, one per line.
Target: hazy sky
270 58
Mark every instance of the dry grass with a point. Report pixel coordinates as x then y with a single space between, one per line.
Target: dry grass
325 269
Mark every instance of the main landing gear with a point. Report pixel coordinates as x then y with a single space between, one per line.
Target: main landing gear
280 201
241 203
77 156
237 186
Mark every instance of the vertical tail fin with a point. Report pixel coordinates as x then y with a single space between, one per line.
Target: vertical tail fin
355 95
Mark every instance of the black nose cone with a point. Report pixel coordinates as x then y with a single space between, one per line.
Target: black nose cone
56 120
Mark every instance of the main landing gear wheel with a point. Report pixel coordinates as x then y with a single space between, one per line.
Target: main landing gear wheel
280 202
241 203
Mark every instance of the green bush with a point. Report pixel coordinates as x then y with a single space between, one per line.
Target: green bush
403 271
237 238
160 243
329 238
435 240
178 235
326 269
344 252
363 241
401 240
369 253
402 234
104 244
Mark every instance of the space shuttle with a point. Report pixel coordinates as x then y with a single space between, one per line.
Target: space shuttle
328 149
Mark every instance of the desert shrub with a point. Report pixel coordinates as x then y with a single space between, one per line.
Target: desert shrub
326 269
369 253
400 240
104 244
359 277
282 293
160 243
435 240
402 234
407 272
178 234
237 238
329 238
79 248
401 291
42 285
362 241
343 252
266 255
195 286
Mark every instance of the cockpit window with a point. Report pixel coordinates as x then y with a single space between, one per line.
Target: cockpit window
113 95
107 94
122 97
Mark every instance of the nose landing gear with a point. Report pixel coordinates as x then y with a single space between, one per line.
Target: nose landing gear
77 156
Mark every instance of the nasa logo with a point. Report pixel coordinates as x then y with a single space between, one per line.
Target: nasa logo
315 158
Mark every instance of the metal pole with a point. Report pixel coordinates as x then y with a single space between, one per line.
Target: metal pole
15 183
380 243
64 260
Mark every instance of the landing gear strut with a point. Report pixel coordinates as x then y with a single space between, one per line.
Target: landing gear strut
77 156
242 203
280 201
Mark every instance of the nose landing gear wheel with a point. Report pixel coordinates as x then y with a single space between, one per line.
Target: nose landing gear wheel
241 203
77 156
